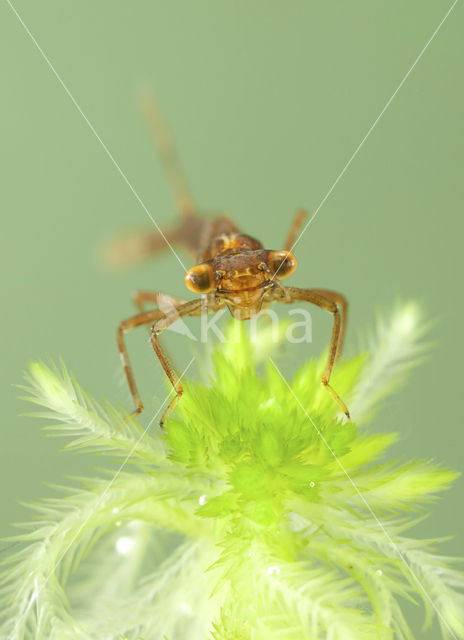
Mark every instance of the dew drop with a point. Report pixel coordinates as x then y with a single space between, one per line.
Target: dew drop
124 545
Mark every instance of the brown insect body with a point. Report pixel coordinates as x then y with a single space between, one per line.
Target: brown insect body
232 269
239 278
230 243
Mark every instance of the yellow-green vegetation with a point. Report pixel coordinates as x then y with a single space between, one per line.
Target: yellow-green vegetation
259 513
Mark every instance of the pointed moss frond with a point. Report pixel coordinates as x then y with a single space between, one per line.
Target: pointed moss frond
408 486
406 566
249 518
393 349
90 425
308 601
172 600
37 574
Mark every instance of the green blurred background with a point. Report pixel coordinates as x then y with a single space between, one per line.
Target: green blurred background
267 100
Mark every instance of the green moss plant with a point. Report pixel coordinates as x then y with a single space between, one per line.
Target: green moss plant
260 513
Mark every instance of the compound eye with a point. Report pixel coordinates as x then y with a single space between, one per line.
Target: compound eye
200 279
282 263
